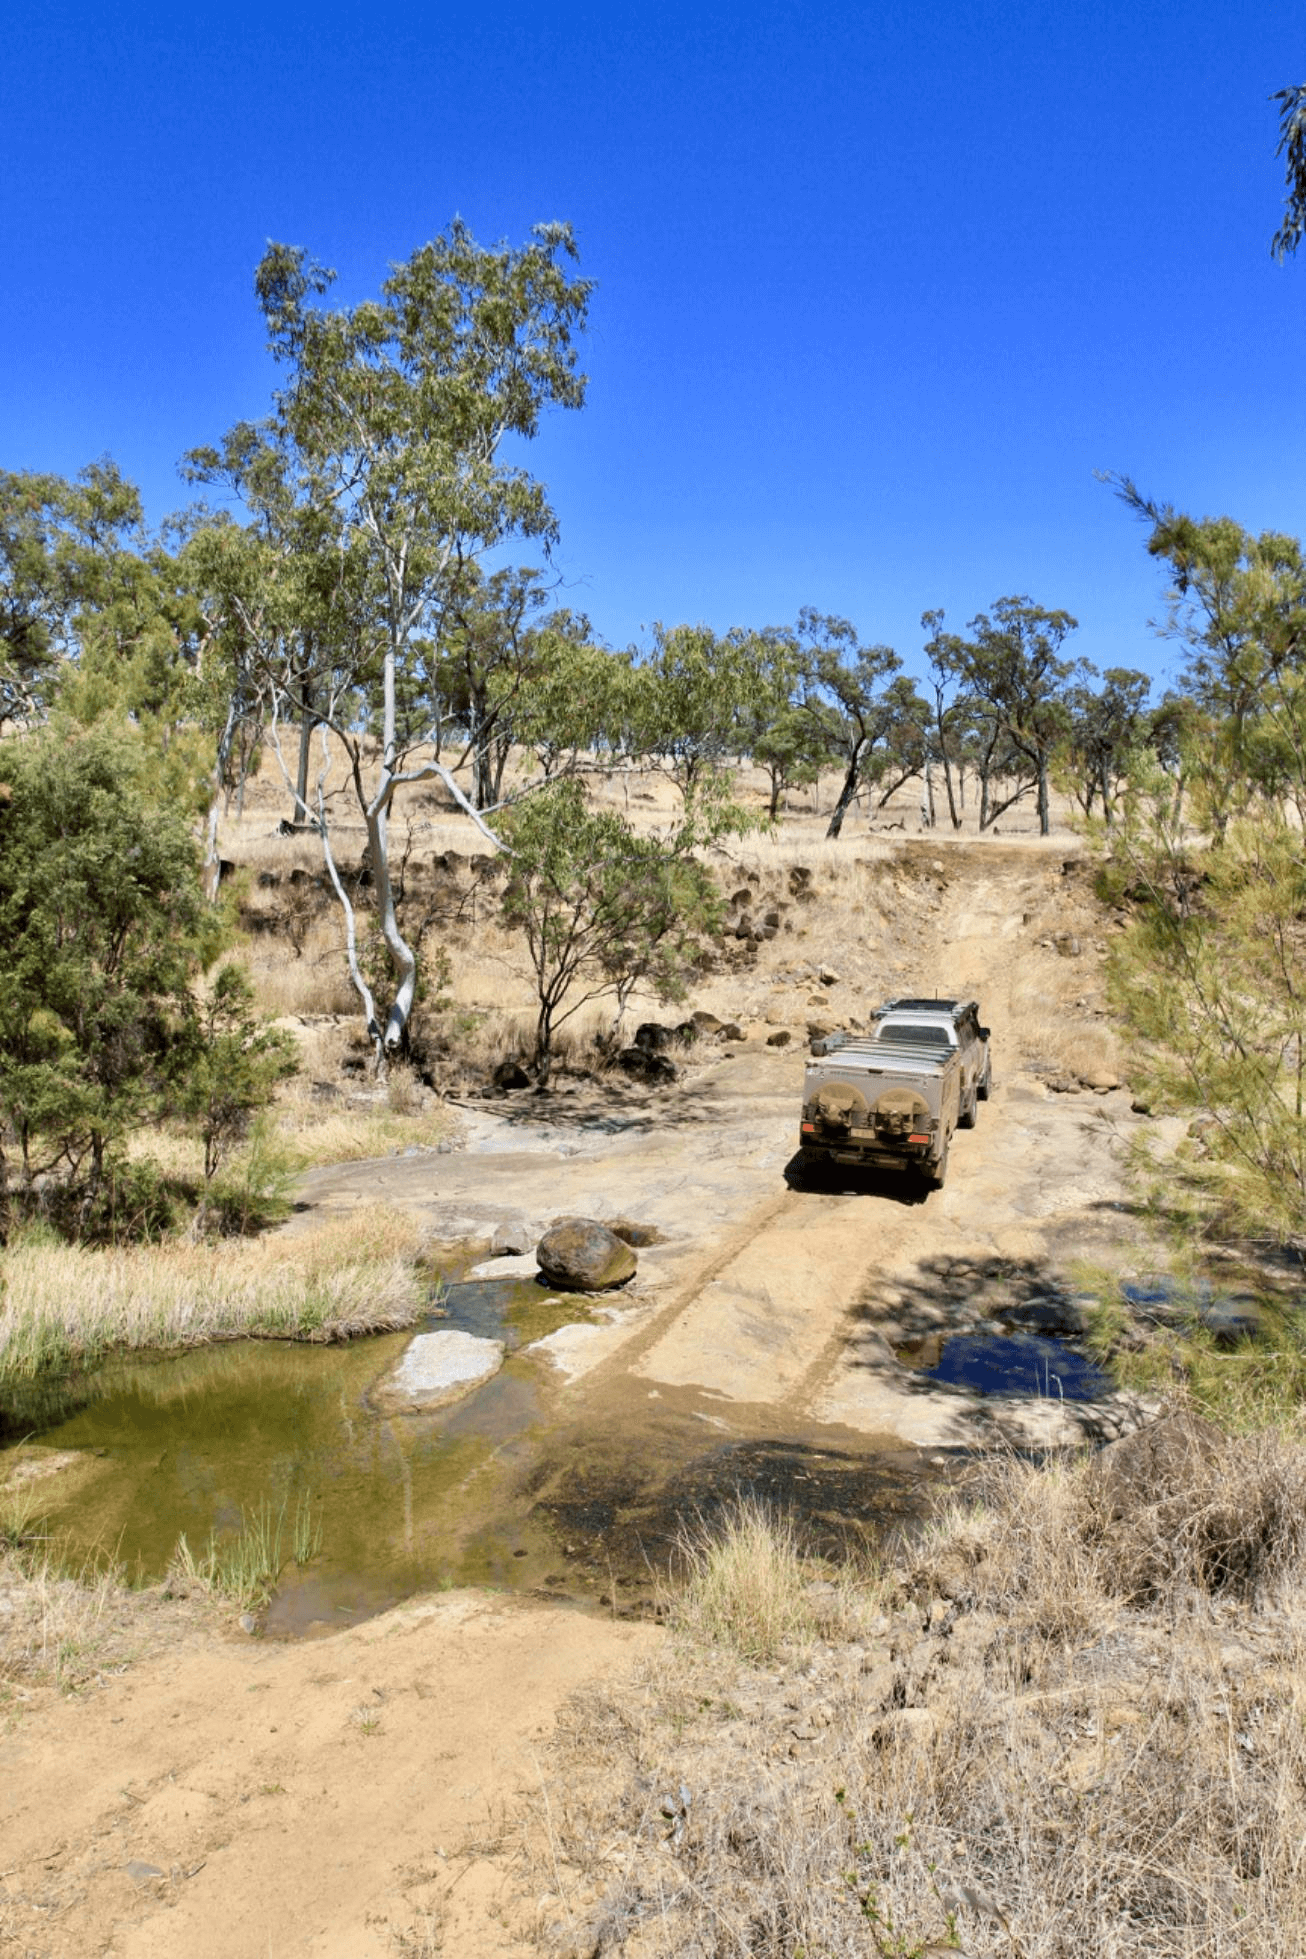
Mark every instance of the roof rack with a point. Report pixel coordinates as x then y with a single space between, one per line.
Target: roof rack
915 1005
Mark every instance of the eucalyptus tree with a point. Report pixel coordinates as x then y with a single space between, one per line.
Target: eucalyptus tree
1014 678
1107 725
383 464
86 594
603 908
779 735
846 696
1292 147
692 701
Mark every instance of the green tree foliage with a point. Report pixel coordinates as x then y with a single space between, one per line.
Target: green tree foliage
1211 975
778 733
693 699
509 674
102 932
1013 682
1292 147
383 467
234 1062
847 700
104 936
603 909
1106 725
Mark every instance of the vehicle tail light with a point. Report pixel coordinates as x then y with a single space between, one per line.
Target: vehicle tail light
807 1128
918 1139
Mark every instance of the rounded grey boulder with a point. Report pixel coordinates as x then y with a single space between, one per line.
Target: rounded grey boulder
581 1255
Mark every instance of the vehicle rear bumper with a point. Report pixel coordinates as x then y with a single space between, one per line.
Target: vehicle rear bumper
870 1159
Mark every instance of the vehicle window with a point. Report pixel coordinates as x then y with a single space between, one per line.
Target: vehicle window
906 1033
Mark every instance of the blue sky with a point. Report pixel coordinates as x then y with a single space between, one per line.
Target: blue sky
879 288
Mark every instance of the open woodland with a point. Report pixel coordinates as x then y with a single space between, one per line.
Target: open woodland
358 905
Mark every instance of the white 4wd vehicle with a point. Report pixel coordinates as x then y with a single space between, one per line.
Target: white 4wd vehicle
891 1099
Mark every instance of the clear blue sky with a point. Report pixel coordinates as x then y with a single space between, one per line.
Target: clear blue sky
878 287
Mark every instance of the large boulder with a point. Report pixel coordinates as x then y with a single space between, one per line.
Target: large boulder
581 1255
436 1368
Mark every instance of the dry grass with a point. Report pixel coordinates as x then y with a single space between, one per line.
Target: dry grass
1078 1730
745 1585
66 1306
67 1623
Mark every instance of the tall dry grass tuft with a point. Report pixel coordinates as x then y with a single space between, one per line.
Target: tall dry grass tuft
1057 1740
65 1306
745 1584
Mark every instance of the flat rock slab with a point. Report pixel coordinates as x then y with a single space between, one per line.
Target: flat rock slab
436 1368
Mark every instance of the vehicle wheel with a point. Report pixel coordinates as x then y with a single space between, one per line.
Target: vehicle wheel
966 1114
982 1087
936 1172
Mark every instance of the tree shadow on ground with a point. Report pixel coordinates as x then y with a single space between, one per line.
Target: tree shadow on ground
610 1105
991 1334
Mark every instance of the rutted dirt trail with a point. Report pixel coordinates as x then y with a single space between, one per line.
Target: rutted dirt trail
244 1798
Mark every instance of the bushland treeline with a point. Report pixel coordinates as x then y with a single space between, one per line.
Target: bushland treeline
350 593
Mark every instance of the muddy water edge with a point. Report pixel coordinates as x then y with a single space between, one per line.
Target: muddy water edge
501 1489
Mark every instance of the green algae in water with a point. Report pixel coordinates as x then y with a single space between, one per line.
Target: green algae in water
193 1444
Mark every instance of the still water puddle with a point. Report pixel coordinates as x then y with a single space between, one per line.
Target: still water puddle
191 1444
1006 1363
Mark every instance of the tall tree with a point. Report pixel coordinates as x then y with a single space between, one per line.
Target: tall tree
1211 976
1014 673
845 695
602 908
102 934
1106 726
387 447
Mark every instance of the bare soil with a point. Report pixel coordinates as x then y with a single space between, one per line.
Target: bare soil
238 1797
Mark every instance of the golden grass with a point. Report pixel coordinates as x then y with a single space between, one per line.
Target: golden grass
1028 1752
66 1306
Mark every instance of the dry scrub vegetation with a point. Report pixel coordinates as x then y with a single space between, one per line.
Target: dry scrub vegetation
65 1306
1069 1721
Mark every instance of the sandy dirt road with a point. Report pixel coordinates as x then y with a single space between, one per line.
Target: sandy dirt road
241 1798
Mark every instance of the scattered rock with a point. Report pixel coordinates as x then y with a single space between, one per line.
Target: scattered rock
1139 1107
510 1075
732 1031
1101 1081
656 1038
1067 945
818 1029
511 1238
635 1234
327 1092
582 1255
436 1368
741 900
780 1039
646 1066
828 977
706 1023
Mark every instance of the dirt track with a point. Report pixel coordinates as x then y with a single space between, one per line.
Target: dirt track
283 1812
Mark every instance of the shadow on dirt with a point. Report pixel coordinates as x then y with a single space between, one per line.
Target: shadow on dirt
847 1180
985 1331
609 1106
